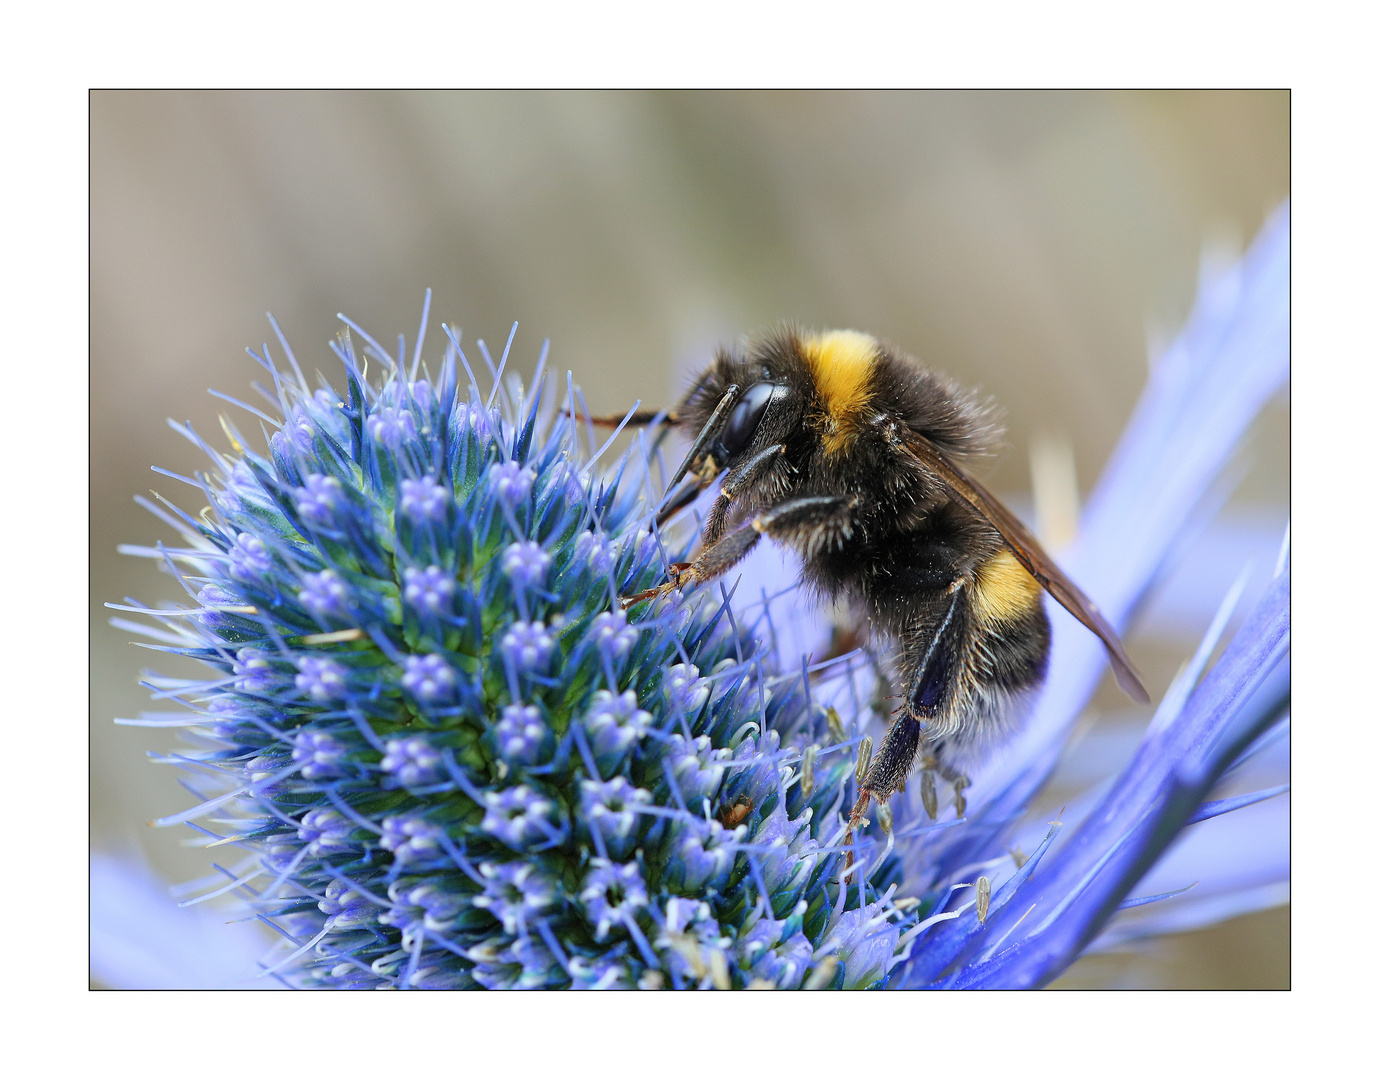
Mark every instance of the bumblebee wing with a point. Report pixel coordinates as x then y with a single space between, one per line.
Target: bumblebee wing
1028 552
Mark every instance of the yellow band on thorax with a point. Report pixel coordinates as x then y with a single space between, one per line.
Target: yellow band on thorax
841 362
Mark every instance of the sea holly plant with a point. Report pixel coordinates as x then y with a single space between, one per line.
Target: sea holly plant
433 750
448 756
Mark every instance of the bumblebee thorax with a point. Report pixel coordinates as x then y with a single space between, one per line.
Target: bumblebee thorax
842 363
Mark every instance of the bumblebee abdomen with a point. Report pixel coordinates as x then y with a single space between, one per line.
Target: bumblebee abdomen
968 618
1003 590
1009 624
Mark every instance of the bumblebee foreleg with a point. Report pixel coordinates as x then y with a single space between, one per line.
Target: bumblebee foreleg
809 523
735 481
714 560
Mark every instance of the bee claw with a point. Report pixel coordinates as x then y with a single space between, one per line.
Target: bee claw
626 602
681 575
960 802
856 820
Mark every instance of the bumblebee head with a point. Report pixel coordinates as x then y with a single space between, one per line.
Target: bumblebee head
738 406
745 420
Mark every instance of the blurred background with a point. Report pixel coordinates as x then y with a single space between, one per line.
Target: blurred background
1040 246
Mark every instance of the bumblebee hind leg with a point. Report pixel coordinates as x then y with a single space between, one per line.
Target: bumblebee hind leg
928 692
889 768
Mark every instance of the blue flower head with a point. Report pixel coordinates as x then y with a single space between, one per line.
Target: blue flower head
451 759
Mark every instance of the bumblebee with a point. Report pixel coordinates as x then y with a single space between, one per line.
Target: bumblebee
854 455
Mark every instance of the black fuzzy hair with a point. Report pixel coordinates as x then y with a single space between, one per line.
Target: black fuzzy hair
954 418
960 422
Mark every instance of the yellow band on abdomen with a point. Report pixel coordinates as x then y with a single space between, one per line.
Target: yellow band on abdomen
1003 590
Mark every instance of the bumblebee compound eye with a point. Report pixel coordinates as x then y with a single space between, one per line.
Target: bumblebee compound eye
746 415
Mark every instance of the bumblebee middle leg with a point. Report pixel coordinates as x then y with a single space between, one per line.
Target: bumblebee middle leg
734 481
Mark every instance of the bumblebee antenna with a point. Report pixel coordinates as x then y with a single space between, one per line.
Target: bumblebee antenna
644 418
709 432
